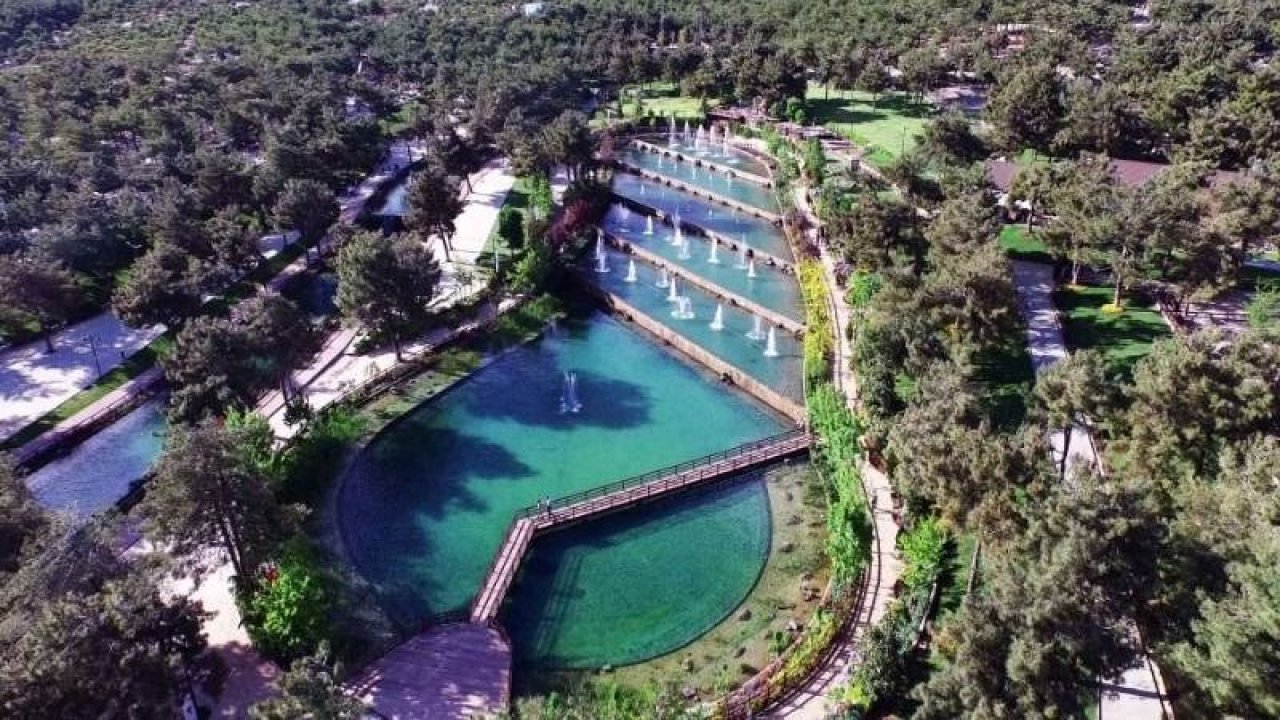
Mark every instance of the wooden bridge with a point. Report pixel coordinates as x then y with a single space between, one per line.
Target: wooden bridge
628 493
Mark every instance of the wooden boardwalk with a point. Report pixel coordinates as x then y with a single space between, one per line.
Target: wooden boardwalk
619 496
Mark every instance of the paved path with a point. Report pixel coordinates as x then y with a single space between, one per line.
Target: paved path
1133 696
448 672
337 369
812 701
34 381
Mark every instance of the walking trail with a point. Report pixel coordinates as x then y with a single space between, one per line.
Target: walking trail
1138 694
811 702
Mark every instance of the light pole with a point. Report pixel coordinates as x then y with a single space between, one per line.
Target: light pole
93 347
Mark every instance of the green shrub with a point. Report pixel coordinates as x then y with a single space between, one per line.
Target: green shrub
863 287
316 459
922 553
511 227
819 339
287 614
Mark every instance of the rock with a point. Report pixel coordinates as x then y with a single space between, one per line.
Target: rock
606 669
790 497
689 692
793 626
739 651
745 614
787 547
688 664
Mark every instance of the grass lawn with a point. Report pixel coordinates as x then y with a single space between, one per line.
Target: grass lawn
662 99
137 364
1021 245
886 128
1124 338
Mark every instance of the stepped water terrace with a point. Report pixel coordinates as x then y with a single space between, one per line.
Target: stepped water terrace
736 336
756 232
100 471
425 505
744 191
717 151
759 281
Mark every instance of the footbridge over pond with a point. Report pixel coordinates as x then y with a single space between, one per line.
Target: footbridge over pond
572 509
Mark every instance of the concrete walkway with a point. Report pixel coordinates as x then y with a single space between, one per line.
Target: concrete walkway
1134 695
34 381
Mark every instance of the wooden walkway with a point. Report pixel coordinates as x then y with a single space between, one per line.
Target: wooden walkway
619 496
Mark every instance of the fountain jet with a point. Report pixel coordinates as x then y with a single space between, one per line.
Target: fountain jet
663 281
717 323
771 345
684 309
757 329
751 269
742 256
715 244
685 252
569 402
648 225
673 292
631 272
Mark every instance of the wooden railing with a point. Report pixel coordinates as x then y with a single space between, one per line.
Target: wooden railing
626 493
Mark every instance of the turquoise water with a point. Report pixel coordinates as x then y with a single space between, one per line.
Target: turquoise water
425 506
100 471
620 590
771 287
744 191
782 373
715 152
756 232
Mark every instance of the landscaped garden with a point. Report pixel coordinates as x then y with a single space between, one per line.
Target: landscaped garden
885 126
1124 337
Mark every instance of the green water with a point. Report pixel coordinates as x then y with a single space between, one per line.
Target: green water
754 231
640 584
425 506
771 287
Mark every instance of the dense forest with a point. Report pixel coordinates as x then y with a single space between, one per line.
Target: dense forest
148 144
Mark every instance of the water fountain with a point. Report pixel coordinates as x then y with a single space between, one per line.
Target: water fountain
757 329
569 402
648 225
711 213
717 323
685 251
742 256
751 269
671 130
684 309
686 130
663 279
673 291
715 245
602 259
771 345
677 240
631 272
